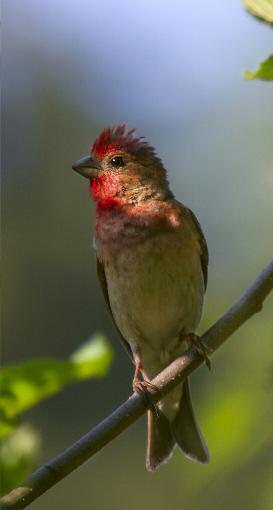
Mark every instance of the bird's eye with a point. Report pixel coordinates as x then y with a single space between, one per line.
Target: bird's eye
117 161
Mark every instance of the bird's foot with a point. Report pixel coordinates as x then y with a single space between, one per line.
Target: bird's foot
143 388
201 348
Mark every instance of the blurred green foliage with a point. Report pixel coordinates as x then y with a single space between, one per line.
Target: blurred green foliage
262 9
25 385
18 456
265 71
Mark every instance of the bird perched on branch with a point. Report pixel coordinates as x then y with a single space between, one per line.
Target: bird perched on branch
152 263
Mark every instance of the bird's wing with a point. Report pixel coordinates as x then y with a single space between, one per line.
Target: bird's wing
203 245
103 283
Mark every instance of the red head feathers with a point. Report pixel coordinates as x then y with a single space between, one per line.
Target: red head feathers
120 138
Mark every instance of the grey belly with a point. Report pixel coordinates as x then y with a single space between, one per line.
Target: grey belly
156 292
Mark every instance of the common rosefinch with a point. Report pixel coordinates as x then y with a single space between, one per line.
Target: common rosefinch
152 262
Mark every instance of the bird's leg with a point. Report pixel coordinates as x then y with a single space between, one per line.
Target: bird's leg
137 374
201 348
142 386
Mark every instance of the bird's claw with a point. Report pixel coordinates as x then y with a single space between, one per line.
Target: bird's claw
201 348
142 388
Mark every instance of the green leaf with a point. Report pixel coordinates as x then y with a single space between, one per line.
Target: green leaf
262 9
25 385
265 71
18 456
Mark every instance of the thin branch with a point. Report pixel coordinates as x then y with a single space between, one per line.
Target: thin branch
87 446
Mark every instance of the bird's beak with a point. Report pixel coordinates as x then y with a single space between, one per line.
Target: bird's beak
87 167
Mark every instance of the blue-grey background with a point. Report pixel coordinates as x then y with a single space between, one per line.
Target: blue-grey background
173 70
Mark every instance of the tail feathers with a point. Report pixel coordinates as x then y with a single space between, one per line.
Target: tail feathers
186 431
160 441
163 435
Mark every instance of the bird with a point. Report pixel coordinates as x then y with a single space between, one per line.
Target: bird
152 264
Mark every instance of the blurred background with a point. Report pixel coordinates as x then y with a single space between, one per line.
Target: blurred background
173 70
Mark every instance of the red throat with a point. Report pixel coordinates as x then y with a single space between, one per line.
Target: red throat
103 190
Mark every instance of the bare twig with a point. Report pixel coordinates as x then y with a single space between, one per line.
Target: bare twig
59 467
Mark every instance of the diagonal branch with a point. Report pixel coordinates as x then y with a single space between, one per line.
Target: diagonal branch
87 446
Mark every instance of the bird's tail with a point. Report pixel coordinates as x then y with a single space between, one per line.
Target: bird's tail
184 431
161 441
